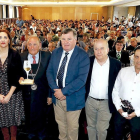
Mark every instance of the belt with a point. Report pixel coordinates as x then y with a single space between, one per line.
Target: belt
97 99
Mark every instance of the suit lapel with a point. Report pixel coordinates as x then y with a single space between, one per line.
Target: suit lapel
74 54
111 67
89 75
41 64
58 56
121 55
91 67
115 54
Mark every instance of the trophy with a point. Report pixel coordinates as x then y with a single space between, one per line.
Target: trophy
127 107
27 68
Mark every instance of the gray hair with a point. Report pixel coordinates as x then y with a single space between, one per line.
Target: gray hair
67 30
33 37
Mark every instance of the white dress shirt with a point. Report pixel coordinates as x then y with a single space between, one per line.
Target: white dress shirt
66 66
127 87
99 80
30 58
130 24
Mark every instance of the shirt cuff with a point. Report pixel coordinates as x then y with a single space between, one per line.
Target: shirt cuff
137 112
118 107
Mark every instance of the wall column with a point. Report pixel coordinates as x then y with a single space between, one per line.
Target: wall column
110 12
4 11
17 11
1 11
11 11
132 11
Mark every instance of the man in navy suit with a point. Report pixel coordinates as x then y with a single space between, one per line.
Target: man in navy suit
67 74
101 78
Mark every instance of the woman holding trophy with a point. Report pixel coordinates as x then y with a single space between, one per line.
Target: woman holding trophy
11 103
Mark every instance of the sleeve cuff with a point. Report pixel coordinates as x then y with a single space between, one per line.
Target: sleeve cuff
137 112
118 107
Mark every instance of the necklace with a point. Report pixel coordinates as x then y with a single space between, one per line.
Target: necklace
34 86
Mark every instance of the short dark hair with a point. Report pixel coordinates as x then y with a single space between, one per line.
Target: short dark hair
119 41
120 37
38 30
137 48
67 30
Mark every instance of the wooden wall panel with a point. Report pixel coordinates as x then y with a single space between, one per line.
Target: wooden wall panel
132 10
20 12
55 13
110 12
26 13
37 12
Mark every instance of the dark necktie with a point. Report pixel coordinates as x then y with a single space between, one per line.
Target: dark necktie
61 71
34 61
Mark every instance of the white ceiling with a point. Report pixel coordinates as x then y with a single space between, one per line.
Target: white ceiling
122 3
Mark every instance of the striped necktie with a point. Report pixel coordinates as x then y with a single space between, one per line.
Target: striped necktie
61 71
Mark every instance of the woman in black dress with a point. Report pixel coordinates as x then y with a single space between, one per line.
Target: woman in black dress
11 103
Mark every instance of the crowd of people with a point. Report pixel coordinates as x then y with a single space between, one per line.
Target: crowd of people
73 64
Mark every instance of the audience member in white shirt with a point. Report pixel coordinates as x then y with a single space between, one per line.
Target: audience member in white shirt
127 89
101 78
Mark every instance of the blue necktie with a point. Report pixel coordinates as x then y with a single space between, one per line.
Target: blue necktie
61 71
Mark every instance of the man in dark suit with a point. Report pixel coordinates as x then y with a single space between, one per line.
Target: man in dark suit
119 54
35 96
67 73
133 45
101 78
38 32
47 41
51 46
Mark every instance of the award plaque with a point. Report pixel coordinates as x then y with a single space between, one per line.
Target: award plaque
27 82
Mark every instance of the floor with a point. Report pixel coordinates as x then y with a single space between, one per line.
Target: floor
52 129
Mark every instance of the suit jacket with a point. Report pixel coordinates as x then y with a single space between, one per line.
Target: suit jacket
124 56
115 67
76 76
130 48
40 79
38 97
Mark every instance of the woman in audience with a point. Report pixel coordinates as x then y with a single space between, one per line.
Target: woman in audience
92 34
11 103
118 33
128 38
86 38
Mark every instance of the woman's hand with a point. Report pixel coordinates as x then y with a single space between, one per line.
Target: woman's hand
6 99
8 96
1 98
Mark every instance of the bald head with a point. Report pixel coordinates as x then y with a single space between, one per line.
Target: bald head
33 45
101 50
101 41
